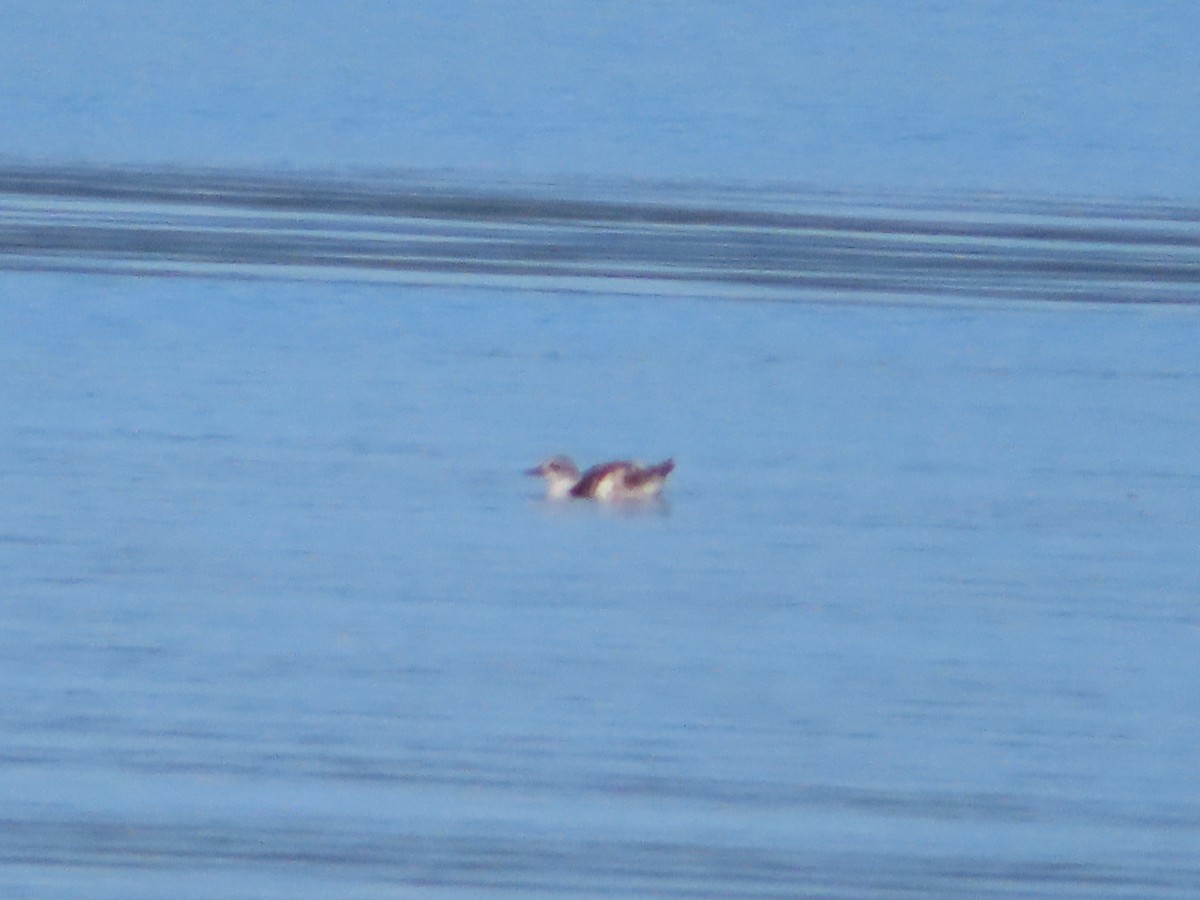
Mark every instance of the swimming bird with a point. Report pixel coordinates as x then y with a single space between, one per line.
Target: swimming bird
616 480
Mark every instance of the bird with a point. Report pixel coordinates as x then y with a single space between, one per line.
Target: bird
611 481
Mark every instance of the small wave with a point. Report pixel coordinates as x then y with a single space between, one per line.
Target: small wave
698 240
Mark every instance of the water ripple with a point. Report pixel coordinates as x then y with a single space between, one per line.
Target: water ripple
687 239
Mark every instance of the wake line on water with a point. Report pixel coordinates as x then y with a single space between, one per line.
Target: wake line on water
699 240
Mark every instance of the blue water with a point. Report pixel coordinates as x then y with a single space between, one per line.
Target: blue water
282 618
1052 98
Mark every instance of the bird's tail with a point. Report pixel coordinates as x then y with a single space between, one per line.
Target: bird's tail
663 469
651 474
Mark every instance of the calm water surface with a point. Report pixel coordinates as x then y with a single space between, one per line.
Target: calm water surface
281 617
